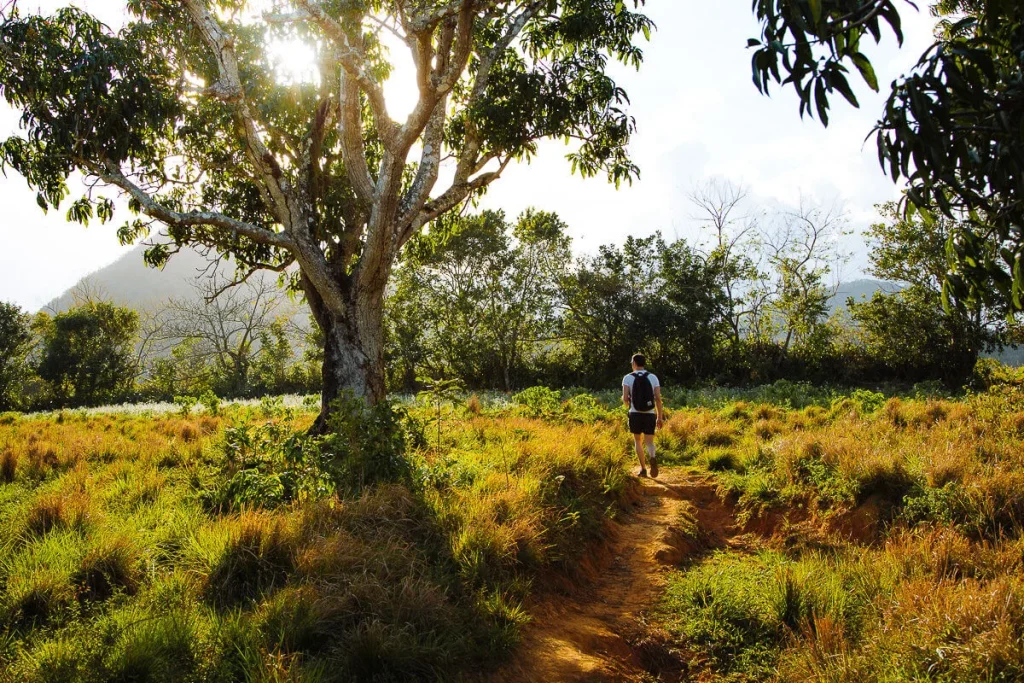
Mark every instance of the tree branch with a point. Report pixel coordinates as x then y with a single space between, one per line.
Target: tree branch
353 61
228 88
455 195
111 173
353 151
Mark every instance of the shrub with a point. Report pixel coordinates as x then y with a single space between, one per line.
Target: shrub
583 409
538 401
210 402
186 404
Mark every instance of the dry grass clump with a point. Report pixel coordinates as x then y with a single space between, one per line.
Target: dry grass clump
946 553
765 429
767 411
38 599
951 630
258 553
929 413
816 416
41 459
895 413
59 511
114 564
949 464
739 411
8 465
188 433
700 428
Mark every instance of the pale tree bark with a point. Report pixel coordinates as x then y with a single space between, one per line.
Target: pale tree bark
344 283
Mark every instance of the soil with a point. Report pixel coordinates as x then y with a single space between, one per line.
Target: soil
597 631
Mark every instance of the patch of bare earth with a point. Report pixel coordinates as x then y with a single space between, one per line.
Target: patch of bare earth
597 632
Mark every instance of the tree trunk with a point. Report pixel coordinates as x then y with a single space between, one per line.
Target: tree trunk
353 357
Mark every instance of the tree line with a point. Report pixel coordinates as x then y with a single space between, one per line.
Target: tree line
317 176
503 304
234 342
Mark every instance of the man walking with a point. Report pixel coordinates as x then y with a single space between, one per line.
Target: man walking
641 393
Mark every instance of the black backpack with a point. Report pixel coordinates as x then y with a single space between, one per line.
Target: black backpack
642 393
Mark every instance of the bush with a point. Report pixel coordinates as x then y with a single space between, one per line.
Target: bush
271 464
538 401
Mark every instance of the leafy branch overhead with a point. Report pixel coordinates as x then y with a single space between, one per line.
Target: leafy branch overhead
181 110
952 128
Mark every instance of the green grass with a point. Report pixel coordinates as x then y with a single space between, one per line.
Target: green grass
902 557
117 565
884 539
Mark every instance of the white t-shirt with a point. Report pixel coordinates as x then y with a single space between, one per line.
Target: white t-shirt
627 381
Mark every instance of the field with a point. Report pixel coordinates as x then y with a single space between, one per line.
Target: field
865 537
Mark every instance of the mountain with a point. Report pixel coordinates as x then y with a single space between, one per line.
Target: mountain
860 290
128 281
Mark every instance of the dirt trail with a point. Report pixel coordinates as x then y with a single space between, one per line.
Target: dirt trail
595 632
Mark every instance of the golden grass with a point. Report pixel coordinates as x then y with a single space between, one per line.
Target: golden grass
115 567
929 590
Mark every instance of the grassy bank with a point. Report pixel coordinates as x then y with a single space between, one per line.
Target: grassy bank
883 541
127 554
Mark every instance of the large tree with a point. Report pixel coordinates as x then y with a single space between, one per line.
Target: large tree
951 128
181 110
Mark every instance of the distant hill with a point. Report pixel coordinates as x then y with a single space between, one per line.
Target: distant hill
128 281
860 290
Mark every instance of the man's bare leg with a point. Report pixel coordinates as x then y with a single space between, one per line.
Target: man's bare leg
638 441
649 447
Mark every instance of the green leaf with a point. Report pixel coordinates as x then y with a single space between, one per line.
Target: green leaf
815 10
839 82
867 71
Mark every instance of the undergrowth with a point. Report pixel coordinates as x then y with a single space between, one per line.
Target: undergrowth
233 546
883 540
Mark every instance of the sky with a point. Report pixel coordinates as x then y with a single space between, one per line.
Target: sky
699 117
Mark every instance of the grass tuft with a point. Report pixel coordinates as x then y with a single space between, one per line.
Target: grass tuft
58 511
257 556
111 566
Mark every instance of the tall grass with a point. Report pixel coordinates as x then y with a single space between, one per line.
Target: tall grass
116 566
886 540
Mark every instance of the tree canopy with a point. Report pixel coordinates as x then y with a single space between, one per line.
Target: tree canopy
952 128
180 109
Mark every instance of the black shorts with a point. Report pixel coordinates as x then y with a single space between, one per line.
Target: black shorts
642 423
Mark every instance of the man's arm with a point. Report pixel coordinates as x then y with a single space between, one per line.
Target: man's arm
661 408
625 395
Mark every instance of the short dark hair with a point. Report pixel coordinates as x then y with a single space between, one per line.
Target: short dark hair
639 359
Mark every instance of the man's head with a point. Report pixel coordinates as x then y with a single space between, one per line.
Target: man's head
639 362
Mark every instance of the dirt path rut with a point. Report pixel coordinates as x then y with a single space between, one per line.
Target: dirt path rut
595 633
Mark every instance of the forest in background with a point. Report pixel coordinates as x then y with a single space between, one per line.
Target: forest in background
493 303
